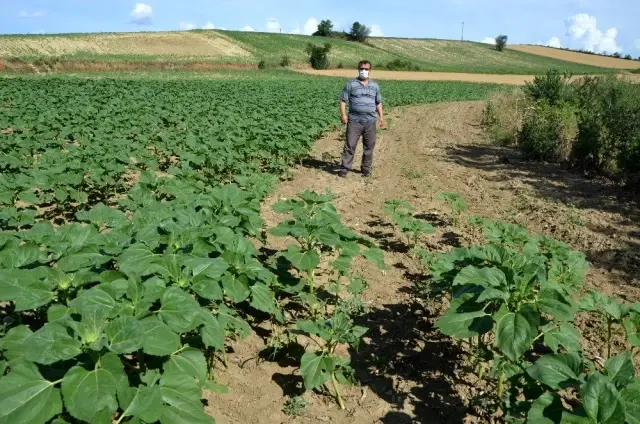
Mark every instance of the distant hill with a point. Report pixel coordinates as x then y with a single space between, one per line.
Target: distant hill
202 48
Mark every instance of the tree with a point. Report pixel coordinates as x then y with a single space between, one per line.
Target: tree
359 32
325 29
318 55
501 42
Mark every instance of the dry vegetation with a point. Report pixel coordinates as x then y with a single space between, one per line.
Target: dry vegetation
576 57
199 44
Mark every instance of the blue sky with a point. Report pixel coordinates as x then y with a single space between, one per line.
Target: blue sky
599 25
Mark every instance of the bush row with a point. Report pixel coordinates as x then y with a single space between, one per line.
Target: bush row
592 122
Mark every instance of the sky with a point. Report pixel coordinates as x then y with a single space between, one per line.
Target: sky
596 25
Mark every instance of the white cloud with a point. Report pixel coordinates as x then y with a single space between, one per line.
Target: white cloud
637 43
310 26
488 40
583 29
554 42
273 25
209 25
31 14
376 31
295 31
187 26
247 28
142 14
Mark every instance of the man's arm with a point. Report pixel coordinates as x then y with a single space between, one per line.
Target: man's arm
343 103
379 108
343 112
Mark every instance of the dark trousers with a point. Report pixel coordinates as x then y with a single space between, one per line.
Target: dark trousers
354 131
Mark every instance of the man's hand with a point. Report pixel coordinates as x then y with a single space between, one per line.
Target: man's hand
345 120
383 124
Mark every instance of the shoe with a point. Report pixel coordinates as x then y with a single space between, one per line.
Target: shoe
366 173
343 173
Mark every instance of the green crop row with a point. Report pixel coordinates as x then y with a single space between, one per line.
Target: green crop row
515 300
128 233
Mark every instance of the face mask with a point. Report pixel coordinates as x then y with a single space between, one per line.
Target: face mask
364 74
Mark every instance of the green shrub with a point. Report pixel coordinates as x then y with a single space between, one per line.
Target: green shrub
401 65
262 64
609 132
319 55
553 87
502 116
340 65
285 61
548 132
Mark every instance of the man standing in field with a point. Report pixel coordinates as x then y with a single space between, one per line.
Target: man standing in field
365 105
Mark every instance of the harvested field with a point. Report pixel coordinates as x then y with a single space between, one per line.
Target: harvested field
202 44
577 57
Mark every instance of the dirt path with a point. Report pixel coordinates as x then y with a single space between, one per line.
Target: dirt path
409 372
437 76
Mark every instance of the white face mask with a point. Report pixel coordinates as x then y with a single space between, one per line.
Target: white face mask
364 74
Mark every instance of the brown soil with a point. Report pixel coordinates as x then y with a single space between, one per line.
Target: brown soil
409 373
577 57
437 76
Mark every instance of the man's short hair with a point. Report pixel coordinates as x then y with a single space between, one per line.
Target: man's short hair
364 62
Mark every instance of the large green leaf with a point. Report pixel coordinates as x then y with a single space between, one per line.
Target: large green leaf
84 258
86 393
125 335
566 335
207 288
631 398
159 340
26 397
304 261
179 310
602 401
96 301
184 413
515 332
553 303
22 255
315 370
189 362
146 404
556 371
181 396
212 332
485 277
237 288
50 344
620 369
25 289
547 409
136 260
14 345
465 325
262 298
212 268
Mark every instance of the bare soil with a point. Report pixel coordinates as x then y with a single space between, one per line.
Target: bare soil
577 57
436 76
409 373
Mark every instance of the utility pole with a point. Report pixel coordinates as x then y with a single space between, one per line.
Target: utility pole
462 37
